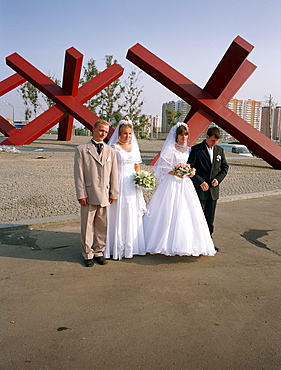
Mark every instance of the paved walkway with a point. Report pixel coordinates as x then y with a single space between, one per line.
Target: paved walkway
148 312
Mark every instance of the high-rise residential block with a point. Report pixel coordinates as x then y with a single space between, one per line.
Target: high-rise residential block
276 127
155 125
236 106
249 110
179 105
252 112
271 122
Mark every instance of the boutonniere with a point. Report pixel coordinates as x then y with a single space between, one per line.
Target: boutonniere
218 157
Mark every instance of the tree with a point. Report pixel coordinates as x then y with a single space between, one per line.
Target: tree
30 96
79 131
90 71
105 104
133 104
27 114
117 118
141 127
49 102
110 96
173 116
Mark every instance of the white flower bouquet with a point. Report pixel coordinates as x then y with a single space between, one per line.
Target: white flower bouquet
182 169
145 180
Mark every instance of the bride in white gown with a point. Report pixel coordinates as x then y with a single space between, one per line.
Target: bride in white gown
175 223
125 236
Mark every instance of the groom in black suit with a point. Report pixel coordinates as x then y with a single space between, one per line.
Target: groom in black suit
211 168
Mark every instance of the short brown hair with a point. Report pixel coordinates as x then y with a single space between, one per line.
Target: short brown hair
214 131
101 121
182 129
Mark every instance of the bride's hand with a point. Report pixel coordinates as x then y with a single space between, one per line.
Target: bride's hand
172 173
192 173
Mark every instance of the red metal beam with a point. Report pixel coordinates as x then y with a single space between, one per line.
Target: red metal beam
71 76
6 86
72 105
67 105
205 103
228 67
11 83
6 128
34 129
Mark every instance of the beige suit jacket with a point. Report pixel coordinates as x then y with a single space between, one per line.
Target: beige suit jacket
96 176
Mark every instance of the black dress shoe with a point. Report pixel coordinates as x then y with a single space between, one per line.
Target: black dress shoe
217 249
89 263
100 260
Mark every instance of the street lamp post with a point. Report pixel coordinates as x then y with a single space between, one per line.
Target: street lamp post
3 101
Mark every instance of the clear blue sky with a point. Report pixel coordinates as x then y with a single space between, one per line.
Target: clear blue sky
190 35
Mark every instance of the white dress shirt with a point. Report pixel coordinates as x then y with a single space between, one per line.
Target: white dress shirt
211 152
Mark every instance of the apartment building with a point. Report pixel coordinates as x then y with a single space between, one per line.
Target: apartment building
271 122
178 105
252 113
155 125
250 110
236 106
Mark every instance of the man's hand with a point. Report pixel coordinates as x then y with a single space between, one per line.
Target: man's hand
204 186
215 183
111 200
83 201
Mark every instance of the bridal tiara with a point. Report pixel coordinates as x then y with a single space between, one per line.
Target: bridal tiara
182 124
125 121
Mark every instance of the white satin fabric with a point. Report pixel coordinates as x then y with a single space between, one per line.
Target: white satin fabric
125 236
175 223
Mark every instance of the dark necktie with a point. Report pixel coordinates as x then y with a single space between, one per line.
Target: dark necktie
99 146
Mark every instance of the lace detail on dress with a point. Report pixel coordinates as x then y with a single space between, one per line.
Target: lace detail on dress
166 164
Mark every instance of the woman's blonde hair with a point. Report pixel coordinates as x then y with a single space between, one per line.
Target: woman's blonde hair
125 123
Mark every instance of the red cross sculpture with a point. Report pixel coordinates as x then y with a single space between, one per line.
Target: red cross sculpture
7 85
69 98
209 104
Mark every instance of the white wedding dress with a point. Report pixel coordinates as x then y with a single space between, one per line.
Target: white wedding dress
125 236
175 223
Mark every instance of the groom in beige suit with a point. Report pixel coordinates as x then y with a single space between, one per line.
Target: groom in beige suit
96 182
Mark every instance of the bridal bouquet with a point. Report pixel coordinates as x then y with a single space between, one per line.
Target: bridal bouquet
182 169
145 180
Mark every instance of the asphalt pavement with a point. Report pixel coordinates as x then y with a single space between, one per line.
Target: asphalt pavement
148 312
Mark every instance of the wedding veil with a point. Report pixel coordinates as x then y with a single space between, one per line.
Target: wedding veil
164 163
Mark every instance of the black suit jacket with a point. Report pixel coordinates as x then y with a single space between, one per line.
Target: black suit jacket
205 170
